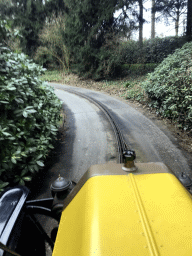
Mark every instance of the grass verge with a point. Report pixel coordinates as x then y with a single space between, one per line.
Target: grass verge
127 87
52 76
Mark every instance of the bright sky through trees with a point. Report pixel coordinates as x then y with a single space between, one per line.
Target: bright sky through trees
161 28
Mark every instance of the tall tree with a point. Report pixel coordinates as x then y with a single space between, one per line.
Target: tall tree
135 17
89 26
189 18
173 9
127 19
141 21
55 7
153 19
29 16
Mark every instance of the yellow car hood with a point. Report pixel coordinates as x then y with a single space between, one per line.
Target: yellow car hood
127 214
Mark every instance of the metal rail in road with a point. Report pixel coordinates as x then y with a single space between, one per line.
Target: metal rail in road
122 145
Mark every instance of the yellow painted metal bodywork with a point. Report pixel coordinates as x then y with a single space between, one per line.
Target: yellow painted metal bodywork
118 215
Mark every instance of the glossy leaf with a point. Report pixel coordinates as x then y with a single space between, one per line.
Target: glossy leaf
40 163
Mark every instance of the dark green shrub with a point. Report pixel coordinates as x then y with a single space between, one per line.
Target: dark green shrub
102 63
30 113
110 60
131 52
138 69
153 50
169 87
157 49
43 58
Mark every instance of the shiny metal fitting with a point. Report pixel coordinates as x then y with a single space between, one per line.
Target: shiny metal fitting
129 157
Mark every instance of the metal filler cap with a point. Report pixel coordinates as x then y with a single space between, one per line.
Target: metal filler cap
129 157
60 184
185 180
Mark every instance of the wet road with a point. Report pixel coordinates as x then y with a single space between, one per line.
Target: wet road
142 135
92 140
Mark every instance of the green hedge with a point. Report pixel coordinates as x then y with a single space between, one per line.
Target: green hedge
30 112
138 69
169 87
153 50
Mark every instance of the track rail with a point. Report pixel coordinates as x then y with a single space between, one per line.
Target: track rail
122 145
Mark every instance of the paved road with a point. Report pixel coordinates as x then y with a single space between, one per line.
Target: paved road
89 135
144 136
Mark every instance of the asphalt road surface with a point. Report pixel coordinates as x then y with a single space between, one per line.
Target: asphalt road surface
92 136
93 141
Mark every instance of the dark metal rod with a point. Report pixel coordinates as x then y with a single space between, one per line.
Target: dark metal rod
46 202
39 210
41 230
6 249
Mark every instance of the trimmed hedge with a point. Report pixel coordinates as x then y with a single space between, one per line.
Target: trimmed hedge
153 50
138 69
30 113
169 87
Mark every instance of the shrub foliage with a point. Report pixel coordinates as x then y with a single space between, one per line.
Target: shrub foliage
121 58
169 87
53 52
138 69
30 112
153 50
109 58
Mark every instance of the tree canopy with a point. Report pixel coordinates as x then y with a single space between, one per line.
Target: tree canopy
172 9
90 25
91 34
29 16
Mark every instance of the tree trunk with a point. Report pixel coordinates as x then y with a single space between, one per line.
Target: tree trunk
141 22
177 24
189 18
28 6
153 20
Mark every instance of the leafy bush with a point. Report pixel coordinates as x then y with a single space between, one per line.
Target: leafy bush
169 87
138 69
153 50
30 112
44 58
131 52
157 49
109 58
53 50
9 37
102 63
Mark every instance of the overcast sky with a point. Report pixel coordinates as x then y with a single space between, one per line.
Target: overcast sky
160 28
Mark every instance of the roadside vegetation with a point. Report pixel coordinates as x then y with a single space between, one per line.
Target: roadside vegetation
167 89
30 114
82 44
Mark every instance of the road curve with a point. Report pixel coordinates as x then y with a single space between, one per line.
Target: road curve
142 135
90 138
